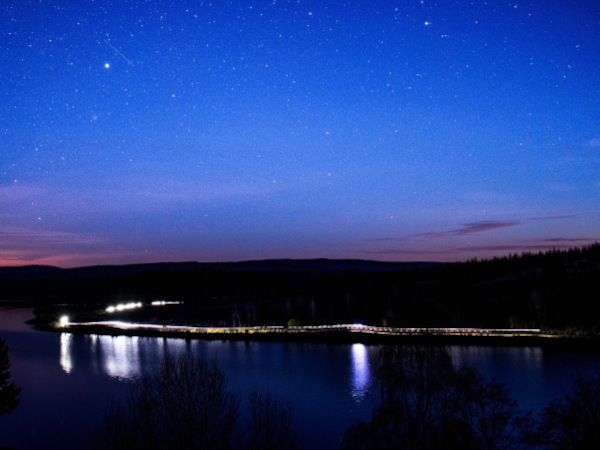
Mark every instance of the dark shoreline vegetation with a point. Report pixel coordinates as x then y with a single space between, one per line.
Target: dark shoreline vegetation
555 291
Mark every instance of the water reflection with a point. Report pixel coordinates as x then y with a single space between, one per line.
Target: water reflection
494 363
66 362
129 357
125 357
116 356
120 355
361 371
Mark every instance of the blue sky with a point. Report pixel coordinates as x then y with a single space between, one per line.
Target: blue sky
151 131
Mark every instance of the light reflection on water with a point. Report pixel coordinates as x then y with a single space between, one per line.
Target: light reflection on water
129 357
120 355
531 357
66 362
524 369
361 371
124 357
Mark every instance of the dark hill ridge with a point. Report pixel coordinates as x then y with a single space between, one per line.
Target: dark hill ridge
555 290
23 273
29 273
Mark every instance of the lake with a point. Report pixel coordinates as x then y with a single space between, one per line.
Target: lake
68 380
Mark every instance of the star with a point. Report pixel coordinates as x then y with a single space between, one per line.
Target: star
106 65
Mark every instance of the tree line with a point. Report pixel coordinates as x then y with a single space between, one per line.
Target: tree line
554 290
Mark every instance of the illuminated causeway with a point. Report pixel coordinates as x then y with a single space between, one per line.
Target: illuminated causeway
348 328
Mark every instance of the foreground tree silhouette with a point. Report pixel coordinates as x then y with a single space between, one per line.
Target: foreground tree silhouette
9 392
494 415
188 405
427 403
270 424
184 405
573 422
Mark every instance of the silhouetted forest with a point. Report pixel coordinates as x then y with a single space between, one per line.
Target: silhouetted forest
554 290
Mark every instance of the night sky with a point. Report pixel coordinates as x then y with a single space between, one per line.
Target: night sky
146 131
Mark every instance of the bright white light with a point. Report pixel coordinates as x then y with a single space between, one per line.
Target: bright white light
123 306
63 321
164 302
107 66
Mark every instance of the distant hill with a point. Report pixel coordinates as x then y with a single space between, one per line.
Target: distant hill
24 273
35 272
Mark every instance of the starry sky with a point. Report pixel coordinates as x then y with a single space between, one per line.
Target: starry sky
146 131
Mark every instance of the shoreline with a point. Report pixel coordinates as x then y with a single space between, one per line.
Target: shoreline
333 336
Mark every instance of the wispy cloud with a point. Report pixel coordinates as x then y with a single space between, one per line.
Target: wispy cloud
15 237
594 143
566 240
17 191
20 246
561 188
450 254
28 257
132 196
567 216
478 227
514 248
464 230
407 252
470 228
384 239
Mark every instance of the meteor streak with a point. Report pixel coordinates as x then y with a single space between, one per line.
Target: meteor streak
119 53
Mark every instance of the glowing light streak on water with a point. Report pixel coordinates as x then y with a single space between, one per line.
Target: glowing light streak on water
121 356
361 371
66 361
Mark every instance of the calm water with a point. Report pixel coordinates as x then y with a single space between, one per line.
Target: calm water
69 380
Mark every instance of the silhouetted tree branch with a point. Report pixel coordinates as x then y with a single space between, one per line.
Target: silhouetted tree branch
270 425
9 392
185 405
573 422
427 403
188 405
